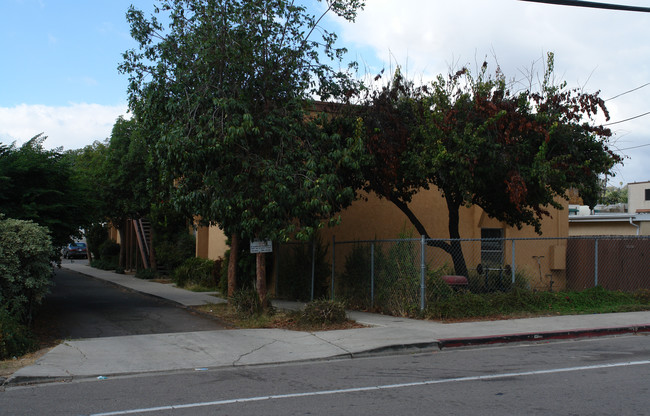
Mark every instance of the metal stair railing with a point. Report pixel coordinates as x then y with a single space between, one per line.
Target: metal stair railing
143 234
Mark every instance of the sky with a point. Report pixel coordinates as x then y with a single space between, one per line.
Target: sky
59 58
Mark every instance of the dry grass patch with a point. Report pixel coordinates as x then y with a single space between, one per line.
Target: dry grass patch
278 319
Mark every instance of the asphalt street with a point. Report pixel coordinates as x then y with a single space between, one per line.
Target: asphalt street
80 307
599 376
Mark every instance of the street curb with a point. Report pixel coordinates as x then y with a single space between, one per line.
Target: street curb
30 381
541 336
397 349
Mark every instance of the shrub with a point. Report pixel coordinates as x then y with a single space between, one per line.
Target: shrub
109 252
170 254
195 271
246 302
96 235
103 264
642 296
462 304
25 266
398 278
324 312
437 289
295 267
146 274
353 284
15 338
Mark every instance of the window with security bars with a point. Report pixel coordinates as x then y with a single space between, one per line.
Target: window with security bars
492 247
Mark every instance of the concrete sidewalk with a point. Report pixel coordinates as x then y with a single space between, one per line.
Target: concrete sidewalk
110 357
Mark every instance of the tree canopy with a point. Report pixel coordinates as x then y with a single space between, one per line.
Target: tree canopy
39 185
227 98
512 153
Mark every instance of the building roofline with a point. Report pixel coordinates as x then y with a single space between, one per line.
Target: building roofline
623 217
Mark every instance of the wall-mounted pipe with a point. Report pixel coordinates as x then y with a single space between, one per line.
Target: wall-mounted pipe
638 228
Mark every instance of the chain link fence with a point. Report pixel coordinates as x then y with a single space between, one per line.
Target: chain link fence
403 275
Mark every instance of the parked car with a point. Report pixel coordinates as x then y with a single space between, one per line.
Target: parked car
75 250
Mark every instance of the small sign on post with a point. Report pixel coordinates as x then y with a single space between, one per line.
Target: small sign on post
261 246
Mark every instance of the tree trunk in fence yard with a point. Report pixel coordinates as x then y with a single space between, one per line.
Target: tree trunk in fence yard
232 264
152 253
456 252
454 248
261 277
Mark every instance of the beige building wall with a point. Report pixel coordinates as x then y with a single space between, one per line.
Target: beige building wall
602 228
210 242
636 193
377 218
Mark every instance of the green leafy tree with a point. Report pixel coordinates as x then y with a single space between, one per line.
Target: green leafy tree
511 153
614 195
39 185
25 267
229 89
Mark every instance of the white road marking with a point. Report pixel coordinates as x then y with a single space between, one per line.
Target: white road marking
372 388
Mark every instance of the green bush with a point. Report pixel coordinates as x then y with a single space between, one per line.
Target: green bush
170 254
247 303
324 312
437 289
353 284
109 252
15 338
642 296
398 278
146 274
25 266
295 267
197 271
96 235
103 264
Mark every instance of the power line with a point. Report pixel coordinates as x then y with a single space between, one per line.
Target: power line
634 147
627 92
593 5
627 119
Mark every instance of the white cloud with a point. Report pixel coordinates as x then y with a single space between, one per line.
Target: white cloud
71 127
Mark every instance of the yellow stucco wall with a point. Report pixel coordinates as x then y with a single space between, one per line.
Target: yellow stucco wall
377 218
210 242
601 228
374 218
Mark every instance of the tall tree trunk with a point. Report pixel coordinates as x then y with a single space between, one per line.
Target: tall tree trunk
261 278
232 264
456 249
453 248
419 227
152 253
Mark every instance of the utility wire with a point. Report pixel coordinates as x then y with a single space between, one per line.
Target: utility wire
627 92
593 5
634 147
627 119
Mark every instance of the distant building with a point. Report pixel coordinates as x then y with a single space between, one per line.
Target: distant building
628 219
638 197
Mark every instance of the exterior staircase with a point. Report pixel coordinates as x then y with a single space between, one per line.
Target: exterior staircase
142 228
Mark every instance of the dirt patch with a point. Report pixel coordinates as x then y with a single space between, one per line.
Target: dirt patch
278 320
8 367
